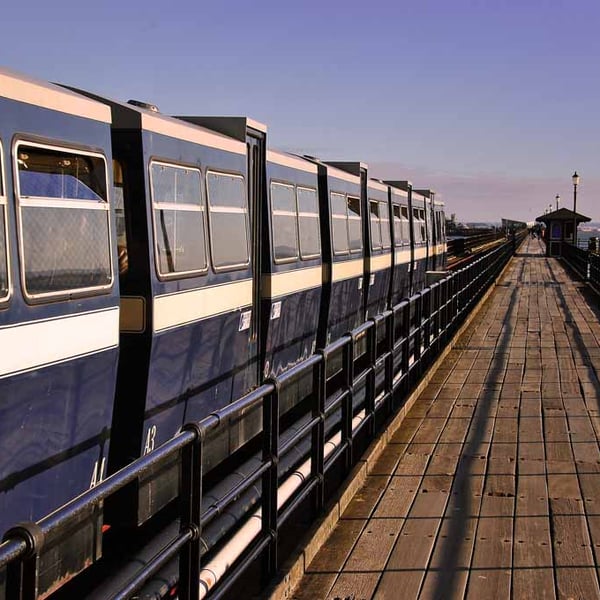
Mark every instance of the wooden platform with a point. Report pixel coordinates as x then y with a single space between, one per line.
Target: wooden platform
491 487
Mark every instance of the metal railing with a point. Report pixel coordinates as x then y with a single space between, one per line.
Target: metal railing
594 272
578 259
380 361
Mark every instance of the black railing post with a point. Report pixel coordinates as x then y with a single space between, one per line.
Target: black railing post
371 380
348 370
418 336
318 432
389 361
406 346
191 513
270 480
22 575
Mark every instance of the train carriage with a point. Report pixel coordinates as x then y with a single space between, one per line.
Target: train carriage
293 274
440 228
189 302
59 310
342 306
419 240
401 237
379 258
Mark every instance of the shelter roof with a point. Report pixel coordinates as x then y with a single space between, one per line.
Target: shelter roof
563 214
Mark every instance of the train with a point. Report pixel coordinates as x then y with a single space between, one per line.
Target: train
155 268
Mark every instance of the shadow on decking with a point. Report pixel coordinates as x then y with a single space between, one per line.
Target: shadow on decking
462 494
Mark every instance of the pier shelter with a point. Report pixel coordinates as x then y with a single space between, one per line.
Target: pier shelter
559 229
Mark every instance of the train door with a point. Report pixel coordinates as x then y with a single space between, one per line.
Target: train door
256 144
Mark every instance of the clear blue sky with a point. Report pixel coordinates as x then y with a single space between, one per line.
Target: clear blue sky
493 103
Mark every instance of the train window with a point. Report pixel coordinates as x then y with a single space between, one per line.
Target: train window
308 223
284 222
443 225
405 225
228 213
64 220
119 206
422 219
354 224
4 286
178 219
384 216
417 226
375 224
397 225
339 218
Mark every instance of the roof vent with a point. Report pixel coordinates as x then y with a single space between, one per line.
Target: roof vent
145 105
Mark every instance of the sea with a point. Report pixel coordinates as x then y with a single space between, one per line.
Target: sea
587 231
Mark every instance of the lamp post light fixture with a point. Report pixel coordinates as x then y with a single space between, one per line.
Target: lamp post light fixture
557 200
575 178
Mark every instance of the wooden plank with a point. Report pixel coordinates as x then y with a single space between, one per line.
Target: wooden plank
532 496
363 503
451 558
388 460
332 555
374 545
532 545
490 573
354 585
413 548
314 586
398 497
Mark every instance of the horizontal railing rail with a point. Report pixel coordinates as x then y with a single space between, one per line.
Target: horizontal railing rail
345 405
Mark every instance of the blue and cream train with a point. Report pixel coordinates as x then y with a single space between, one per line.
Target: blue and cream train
155 268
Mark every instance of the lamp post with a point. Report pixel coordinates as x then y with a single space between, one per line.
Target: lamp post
557 200
575 178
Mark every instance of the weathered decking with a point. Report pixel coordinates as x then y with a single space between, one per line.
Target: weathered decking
491 486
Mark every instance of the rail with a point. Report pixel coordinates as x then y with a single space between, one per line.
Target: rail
358 382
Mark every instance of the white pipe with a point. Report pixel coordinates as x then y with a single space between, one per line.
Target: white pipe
218 566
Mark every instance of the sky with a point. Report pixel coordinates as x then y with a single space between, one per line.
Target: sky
492 103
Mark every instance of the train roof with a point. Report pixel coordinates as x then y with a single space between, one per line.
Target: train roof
403 185
136 116
427 193
335 171
235 127
398 192
351 167
20 88
376 184
292 161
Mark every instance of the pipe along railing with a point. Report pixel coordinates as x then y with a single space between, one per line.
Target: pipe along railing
357 383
